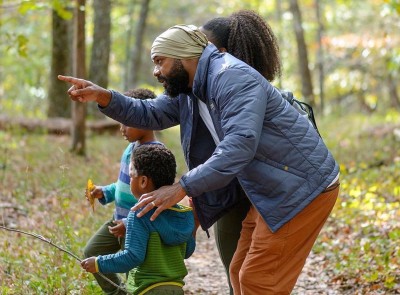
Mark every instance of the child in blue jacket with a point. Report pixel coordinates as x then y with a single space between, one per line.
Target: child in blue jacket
154 250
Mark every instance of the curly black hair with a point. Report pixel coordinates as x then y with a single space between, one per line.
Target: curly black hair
247 36
217 31
156 162
140 93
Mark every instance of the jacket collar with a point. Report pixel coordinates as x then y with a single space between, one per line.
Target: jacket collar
200 78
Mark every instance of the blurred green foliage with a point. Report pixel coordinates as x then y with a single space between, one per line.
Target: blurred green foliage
360 41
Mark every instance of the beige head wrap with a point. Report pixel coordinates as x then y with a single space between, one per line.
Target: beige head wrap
180 41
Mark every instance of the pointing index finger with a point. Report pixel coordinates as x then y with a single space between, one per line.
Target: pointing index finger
65 78
75 81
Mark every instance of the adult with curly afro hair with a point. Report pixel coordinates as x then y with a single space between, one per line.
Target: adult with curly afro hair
248 37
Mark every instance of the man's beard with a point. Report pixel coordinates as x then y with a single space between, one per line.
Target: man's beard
177 82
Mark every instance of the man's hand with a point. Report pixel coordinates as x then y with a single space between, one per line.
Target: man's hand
119 230
84 91
89 264
163 198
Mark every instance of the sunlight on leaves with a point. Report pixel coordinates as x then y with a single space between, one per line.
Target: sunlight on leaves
355 192
22 45
27 6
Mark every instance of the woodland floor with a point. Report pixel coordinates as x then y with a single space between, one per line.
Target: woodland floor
41 191
207 276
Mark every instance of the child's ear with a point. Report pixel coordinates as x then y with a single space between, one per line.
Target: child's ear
144 182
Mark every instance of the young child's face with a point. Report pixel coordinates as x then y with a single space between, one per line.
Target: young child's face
131 134
134 183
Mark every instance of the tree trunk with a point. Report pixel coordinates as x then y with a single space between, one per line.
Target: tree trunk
278 15
128 59
59 103
320 56
79 70
393 94
306 83
136 55
98 71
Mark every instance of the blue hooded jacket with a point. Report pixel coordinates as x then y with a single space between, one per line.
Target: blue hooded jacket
267 151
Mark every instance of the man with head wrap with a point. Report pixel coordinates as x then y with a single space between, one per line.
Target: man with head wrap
240 140
179 45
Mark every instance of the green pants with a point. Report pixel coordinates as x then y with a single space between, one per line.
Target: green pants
103 243
227 232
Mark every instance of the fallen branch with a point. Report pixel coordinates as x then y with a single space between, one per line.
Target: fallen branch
58 126
63 250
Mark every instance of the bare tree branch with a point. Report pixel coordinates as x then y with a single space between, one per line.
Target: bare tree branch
61 249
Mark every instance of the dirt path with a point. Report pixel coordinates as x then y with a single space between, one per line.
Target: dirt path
206 273
207 276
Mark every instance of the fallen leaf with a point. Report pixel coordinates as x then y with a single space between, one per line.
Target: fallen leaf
89 188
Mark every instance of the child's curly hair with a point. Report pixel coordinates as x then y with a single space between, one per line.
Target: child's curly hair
140 93
156 162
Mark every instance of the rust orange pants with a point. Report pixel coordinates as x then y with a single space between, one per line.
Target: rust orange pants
270 263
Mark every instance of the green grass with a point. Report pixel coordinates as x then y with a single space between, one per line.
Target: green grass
45 183
361 239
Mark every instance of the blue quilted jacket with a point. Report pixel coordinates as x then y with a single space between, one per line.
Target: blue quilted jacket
268 151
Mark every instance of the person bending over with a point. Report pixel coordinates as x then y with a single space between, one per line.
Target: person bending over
241 139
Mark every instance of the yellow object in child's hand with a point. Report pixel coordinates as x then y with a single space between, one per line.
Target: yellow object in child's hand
89 188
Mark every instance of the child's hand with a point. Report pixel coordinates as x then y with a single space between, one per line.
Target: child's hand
96 193
89 264
93 192
119 230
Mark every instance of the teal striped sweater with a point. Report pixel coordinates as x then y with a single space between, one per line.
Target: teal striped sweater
119 192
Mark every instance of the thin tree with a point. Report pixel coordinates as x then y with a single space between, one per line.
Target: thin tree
100 57
305 74
393 94
128 59
278 15
140 29
320 55
79 70
59 104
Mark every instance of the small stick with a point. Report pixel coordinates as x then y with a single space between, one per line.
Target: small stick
61 249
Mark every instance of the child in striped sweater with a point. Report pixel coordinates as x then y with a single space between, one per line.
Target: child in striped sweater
110 237
154 250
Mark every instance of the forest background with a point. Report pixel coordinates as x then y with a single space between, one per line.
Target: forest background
342 57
